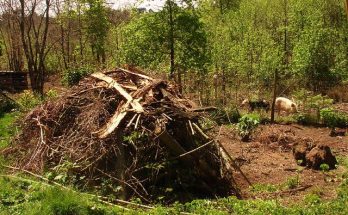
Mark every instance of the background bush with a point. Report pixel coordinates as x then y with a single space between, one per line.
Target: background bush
333 118
73 75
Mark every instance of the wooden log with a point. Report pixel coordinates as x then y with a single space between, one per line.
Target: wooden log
113 83
115 120
137 74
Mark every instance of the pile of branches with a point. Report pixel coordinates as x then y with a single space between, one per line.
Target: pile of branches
127 134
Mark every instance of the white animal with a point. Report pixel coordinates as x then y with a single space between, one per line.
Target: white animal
285 104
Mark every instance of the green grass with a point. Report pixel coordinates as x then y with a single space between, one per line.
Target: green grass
20 195
261 188
7 128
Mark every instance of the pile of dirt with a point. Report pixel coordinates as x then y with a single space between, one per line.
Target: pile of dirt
306 151
275 138
313 156
129 134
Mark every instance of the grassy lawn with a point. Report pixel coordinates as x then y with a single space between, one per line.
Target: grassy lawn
7 128
20 195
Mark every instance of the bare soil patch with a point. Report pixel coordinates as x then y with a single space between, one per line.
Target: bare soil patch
268 161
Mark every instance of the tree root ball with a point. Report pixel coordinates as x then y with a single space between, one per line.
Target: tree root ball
299 151
321 154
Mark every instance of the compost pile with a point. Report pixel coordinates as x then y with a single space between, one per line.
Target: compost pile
129 135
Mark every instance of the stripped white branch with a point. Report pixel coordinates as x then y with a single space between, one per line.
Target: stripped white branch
113 83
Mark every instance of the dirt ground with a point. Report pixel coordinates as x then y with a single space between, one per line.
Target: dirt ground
268 160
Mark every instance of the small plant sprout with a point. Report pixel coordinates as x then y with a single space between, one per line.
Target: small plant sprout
324 167
293 182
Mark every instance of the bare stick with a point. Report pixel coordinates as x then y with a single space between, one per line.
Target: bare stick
137 74
194 150
203 109
167 116
130 122
200 131
225 152
137 122
112 123
193 132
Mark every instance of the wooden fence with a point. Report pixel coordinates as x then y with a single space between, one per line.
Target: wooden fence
13 81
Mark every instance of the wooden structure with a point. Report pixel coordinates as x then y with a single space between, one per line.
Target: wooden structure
13 81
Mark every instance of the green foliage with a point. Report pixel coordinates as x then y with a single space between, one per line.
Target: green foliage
23 196
7 128
247 124
28 100
264 188
292 182
97 27
72 76
306 119
314 53
333 118
64 173
325 167
51 94
147 40
311 105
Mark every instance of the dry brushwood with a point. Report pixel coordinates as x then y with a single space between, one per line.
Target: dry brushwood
125 131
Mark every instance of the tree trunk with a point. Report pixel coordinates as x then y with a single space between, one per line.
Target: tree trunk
171 39
275 83
34 45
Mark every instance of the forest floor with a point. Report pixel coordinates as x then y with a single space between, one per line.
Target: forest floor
268 163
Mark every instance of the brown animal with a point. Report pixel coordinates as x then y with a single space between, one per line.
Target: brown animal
285 104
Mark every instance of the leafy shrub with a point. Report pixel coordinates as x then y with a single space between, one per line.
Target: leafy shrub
333 118
306 119
51 94
74 75
310 103
247 124
27 100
